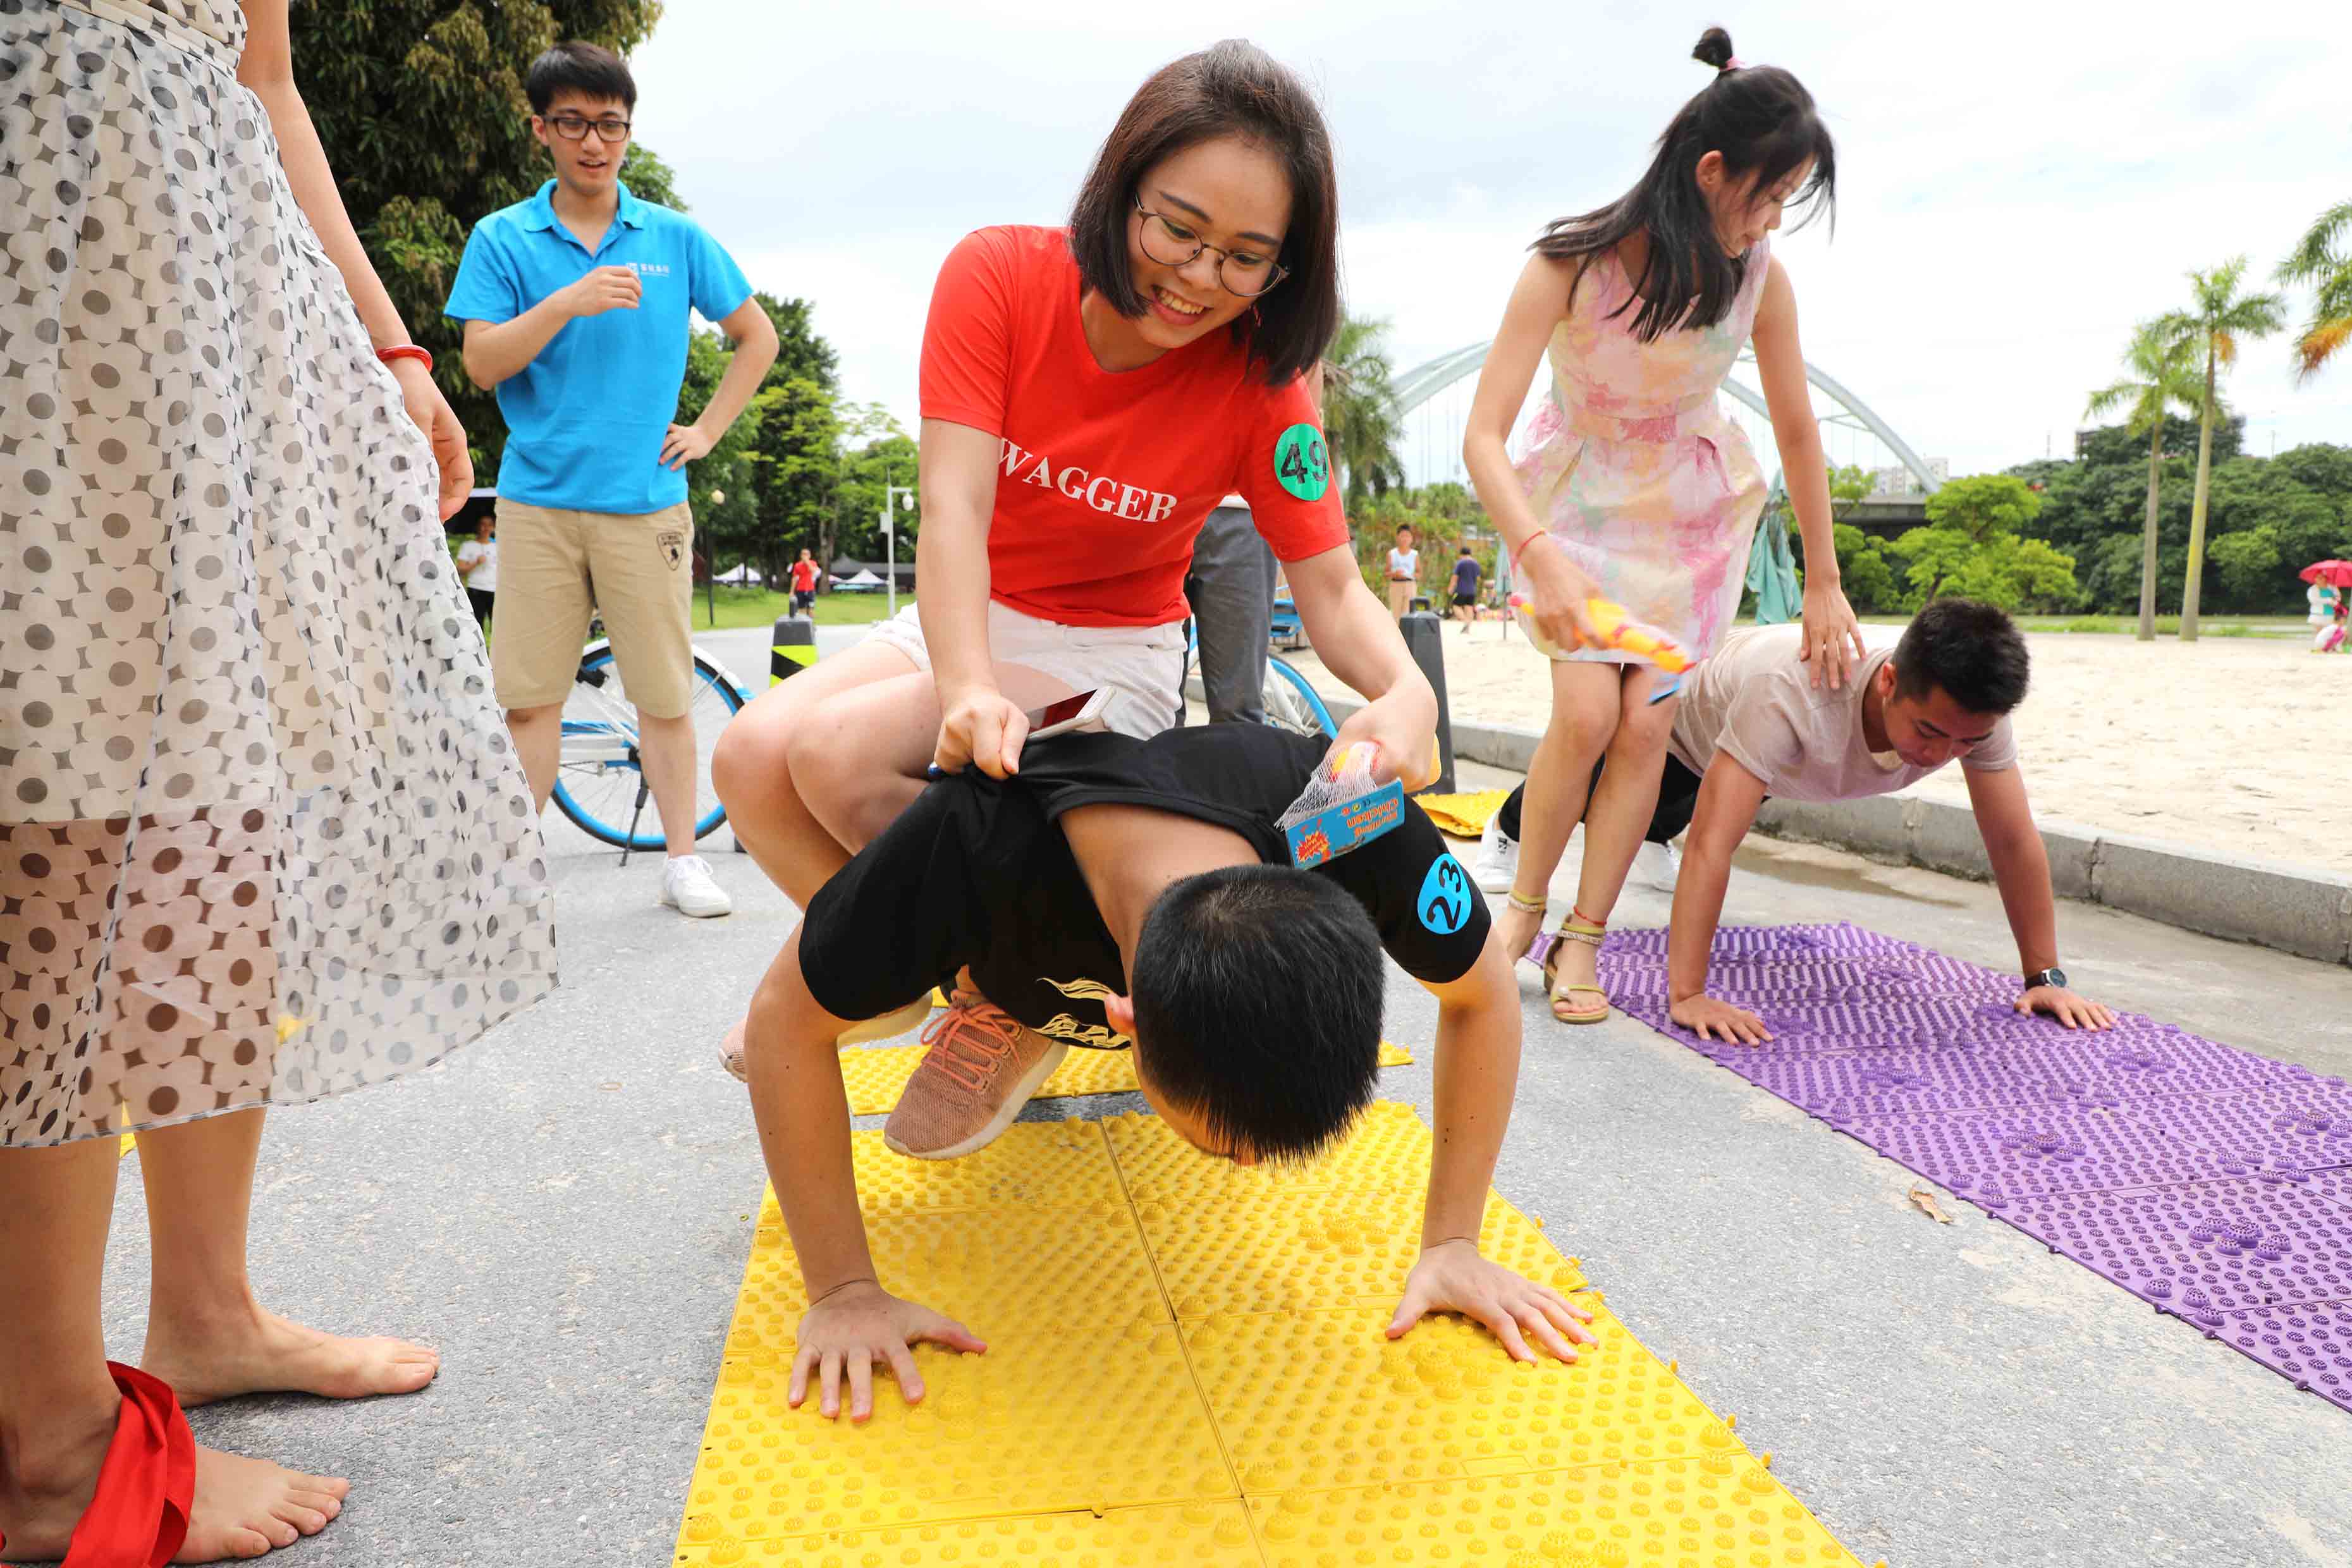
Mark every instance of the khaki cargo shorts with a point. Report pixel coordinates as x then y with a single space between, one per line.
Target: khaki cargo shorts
556 565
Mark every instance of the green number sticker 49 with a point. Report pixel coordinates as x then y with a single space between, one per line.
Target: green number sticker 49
1302 462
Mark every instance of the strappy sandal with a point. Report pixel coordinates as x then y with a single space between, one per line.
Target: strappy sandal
138 1516
1544 952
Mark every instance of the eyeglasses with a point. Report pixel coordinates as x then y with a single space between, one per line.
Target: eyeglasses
575 128
1239 272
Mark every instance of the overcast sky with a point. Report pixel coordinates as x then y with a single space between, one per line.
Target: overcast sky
2017 184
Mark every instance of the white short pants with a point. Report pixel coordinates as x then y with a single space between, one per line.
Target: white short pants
1140 665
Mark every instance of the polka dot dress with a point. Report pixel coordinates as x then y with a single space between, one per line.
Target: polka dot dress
262 833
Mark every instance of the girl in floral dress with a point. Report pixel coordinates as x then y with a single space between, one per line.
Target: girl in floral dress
1637 487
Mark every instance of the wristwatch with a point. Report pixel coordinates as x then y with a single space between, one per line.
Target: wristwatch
2054 977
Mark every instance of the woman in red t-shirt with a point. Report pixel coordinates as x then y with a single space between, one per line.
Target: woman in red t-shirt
1088 396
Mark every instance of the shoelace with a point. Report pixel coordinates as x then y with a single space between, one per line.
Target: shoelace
984 1036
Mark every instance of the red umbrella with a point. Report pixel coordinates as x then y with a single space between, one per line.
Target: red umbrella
2336 574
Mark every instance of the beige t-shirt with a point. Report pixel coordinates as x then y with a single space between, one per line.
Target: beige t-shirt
1755 698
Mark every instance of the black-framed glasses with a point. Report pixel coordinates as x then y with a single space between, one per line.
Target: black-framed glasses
575 126
1173 244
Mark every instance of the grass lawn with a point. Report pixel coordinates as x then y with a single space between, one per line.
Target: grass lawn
761 607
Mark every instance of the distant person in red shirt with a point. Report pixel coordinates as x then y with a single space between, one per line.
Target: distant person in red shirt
1089 395
803 584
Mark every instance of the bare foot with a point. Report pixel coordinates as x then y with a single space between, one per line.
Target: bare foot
264 1353
245 1507
43 1496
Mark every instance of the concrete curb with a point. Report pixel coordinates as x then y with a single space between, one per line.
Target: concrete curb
2285 907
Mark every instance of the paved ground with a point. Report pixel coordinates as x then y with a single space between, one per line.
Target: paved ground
565 1210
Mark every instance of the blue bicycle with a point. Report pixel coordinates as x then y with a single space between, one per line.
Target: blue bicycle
600 781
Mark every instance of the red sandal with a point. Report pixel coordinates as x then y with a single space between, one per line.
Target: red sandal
139 1517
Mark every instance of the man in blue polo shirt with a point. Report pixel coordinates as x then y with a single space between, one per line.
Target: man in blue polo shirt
575 309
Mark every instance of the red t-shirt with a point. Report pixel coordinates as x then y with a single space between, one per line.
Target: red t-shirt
1106 477
804 577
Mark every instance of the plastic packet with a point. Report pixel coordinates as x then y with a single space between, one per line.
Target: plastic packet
1340 808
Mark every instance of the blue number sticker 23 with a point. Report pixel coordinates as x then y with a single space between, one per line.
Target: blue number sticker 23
1445 904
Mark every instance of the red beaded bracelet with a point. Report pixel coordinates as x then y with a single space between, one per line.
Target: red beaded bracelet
406 350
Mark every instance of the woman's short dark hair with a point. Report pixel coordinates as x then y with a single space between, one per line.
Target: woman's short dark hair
589 70
1233 88
1763 121
1973 651
1257 994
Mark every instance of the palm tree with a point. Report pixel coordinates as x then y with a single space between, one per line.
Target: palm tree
1360 421
2323 259
2165 378
2212 328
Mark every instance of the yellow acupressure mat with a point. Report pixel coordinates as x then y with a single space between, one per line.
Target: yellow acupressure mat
876 1076
1155 1395
1462 816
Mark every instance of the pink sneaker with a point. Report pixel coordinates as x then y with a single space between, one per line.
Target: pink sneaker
980 1070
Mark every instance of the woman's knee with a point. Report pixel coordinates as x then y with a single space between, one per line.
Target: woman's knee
751 760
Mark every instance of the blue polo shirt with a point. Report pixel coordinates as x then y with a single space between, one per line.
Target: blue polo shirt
585 420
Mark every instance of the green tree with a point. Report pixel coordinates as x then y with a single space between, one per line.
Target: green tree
2322 258
877 453
2246 562
720 486
2212 327
1360 422
1971 546
1863 570
2163 377
420 106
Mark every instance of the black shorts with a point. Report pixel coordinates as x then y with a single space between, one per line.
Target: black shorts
803 599
483 600
1466 601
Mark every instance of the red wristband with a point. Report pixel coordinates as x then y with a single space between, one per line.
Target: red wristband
406 350
1522 550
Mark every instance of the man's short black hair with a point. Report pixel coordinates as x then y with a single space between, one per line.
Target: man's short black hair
589 70
1257 997
1973 651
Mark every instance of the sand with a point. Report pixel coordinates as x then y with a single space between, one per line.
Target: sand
2241 745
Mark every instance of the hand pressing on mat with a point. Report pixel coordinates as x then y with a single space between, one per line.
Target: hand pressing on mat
1712 1020
2074 1011
1453 1277
853 1326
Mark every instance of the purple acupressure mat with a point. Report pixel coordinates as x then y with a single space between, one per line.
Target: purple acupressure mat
2213 1183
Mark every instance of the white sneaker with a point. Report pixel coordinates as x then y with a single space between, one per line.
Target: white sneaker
1497 861
687 888
1657 865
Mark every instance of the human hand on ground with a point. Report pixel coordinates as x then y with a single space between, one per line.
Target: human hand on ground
1833 640
1712 1020
684 444
853 1326
431 411
2074 1011
1403 724
1453 1277
1556 589
600 289
980 724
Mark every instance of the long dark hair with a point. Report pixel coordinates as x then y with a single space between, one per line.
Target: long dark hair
1761 118
1232 89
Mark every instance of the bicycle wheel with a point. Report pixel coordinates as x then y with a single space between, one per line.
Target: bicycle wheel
1291 703
599 772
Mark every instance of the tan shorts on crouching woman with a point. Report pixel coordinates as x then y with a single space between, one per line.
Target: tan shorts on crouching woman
555 565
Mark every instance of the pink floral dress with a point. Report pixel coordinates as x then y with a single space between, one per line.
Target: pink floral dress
1634 466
